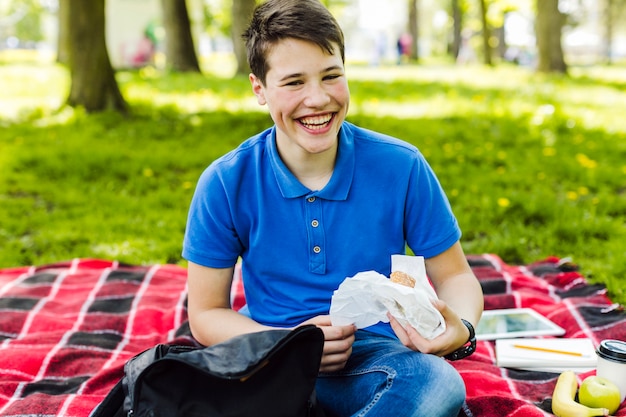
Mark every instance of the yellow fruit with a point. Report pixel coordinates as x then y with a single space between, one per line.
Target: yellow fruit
563 402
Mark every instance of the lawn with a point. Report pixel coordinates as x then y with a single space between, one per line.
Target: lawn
533 165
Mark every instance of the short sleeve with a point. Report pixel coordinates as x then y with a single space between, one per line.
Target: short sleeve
430 225
210 236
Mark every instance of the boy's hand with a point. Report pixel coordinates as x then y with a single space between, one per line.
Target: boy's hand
337 343
454 337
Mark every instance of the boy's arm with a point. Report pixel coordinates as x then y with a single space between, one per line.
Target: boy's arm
456 284
211 318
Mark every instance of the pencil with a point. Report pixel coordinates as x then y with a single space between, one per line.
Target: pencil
542 349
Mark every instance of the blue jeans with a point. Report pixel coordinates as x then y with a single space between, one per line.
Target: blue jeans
383 378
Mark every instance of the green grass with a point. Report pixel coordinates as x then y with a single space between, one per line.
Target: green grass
533 165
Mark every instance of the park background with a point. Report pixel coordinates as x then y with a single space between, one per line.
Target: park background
528 140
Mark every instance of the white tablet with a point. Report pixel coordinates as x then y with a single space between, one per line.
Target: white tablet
515 322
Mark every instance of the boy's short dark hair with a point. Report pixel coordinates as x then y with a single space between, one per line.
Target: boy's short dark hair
275 20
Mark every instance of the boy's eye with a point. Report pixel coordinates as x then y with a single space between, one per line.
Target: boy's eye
294 82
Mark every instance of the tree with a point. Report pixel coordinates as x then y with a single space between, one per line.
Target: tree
180 51
614 10
414 28
457 25
241 14
93 84
486 33
548 26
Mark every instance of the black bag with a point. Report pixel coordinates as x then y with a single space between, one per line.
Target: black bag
270 373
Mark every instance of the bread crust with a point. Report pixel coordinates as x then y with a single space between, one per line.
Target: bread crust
402 278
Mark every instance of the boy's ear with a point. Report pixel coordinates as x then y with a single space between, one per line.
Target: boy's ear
257 89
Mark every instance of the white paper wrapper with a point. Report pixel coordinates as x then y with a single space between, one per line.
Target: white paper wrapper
365 299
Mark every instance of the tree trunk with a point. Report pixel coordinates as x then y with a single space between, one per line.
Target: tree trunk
614 13
486 34
63 47
457 21
549 22
93 84
241 15
414 28
180 52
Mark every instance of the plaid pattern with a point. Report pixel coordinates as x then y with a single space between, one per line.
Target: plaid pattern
67 329
555 289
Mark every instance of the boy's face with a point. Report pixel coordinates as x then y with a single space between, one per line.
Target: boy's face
307 94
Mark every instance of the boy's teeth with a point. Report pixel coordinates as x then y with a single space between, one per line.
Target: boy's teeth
316 121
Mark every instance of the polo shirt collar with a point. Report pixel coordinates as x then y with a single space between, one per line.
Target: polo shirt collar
340 182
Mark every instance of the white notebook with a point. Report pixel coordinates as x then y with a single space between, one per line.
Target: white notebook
548 355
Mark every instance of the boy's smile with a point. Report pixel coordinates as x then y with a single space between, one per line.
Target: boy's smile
316 122
307 94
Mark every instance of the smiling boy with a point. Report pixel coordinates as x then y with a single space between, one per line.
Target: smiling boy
307 95
313 200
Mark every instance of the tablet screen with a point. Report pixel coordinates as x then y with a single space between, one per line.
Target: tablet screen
515 322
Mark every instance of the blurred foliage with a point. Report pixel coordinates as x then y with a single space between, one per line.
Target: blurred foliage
26 16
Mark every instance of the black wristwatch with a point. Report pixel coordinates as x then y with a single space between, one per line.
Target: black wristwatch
468 348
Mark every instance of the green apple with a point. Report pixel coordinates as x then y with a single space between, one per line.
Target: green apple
596 391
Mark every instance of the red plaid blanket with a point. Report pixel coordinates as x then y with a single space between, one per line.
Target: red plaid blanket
67 329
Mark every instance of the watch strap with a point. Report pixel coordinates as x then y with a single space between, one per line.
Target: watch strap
468 348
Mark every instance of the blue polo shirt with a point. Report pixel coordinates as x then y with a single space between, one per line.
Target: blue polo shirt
297 245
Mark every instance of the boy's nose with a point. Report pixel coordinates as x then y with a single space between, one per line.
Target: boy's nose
317 96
